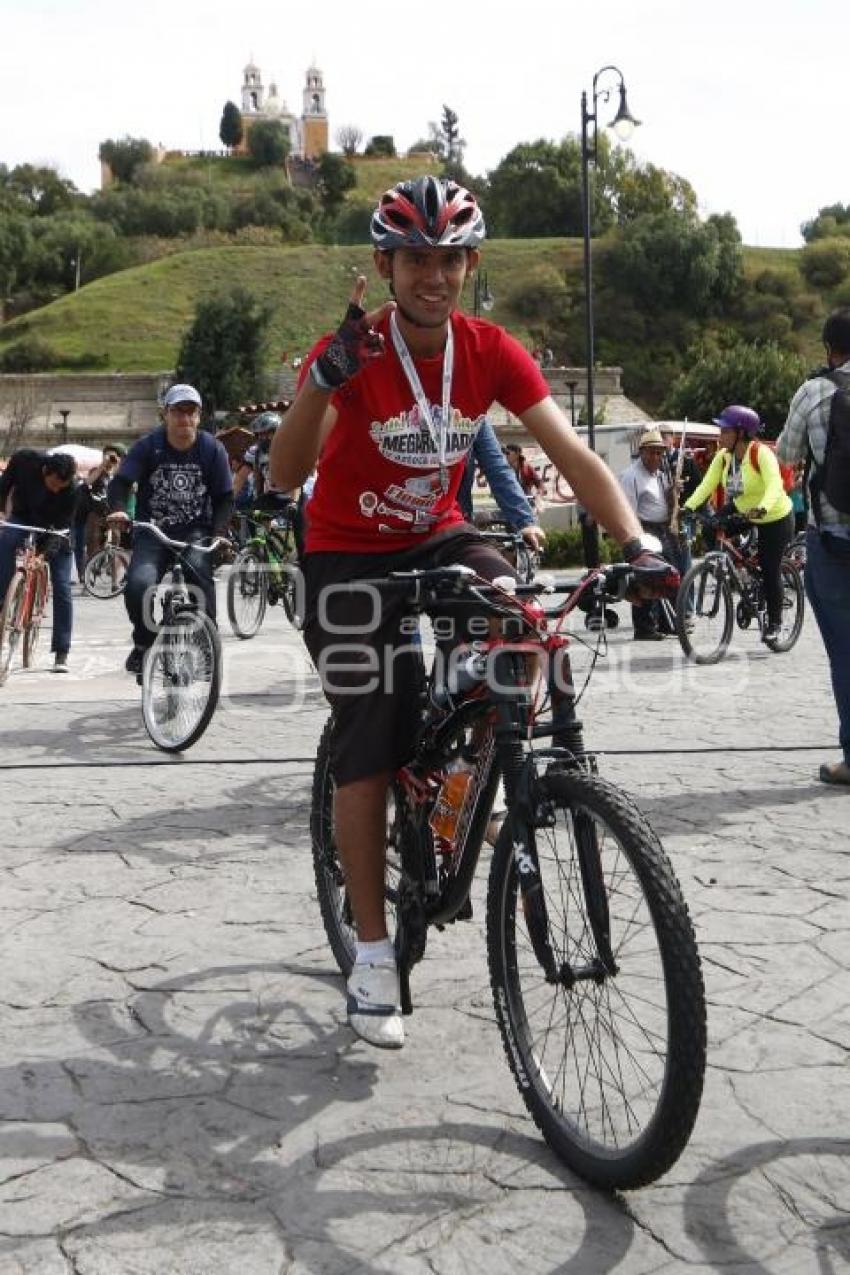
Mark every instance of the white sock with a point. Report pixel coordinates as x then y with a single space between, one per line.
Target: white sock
380 953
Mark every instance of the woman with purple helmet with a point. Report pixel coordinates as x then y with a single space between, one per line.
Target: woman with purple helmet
748 472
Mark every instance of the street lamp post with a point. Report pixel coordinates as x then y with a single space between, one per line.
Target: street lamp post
482 297
623 124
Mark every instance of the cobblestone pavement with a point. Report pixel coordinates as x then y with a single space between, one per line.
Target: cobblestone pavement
179 1091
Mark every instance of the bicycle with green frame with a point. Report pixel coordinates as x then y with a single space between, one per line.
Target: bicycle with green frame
265 570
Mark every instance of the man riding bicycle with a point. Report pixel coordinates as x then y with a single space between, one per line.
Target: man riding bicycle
43 494
185 487
393 401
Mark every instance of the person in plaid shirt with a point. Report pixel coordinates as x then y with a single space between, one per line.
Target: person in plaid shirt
828 532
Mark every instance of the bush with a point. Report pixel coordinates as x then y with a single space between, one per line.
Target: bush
381 144
826 262
32 354
564 549
268 143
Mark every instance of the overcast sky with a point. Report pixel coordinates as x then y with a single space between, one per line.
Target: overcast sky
746 99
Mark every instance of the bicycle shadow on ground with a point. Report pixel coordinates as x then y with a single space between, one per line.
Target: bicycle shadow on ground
269 811
708 808
198 1122
809 1219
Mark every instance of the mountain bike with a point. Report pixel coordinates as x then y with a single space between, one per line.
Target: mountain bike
181 673
596 978
105 573
706 609
264 572
25 602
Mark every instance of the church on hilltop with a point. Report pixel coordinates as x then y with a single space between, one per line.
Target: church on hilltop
308 133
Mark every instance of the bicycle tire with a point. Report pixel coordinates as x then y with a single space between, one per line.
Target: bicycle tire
332 895
247 594
655 1046
41 589
181 680
10 627
105 573
794 600
704 615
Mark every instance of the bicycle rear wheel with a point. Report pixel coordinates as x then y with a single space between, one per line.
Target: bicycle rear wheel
704 613
41 588
793 609
610 1066
181 679
247 594
331 891
105 573
11 627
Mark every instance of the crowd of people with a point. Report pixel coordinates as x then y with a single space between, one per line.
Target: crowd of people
386 429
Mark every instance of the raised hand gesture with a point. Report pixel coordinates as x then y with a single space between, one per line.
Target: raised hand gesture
355 342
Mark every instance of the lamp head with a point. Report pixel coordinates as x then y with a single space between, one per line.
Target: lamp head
624 123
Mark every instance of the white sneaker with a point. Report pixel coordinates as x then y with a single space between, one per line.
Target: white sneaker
374 1012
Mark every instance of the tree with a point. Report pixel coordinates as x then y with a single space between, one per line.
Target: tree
832 221
222 351
381 144
825 262
536 192
762 375
349 137
15 252
230 129
124 157
450 131
667 261
37 190
18 407
268 142
333 178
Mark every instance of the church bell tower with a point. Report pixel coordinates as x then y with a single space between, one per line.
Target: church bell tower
314 120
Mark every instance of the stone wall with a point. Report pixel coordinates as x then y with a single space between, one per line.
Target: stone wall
101 408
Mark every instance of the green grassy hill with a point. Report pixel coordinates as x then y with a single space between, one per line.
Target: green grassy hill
134 320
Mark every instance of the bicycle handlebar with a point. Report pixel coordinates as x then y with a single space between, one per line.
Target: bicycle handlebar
45 531
180 544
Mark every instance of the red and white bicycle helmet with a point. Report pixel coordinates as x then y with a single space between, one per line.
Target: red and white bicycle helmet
428 212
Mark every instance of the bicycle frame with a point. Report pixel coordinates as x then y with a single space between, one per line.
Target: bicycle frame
504 716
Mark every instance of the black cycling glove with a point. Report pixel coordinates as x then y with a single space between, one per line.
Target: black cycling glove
654 577
353 344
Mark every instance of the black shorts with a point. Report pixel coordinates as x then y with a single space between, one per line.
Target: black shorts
367 650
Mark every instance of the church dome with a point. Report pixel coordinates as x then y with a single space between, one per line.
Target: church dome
251 67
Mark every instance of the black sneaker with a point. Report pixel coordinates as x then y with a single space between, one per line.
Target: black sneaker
651 635
60 662
134 661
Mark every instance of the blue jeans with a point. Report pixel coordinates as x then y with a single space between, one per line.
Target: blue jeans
59 565
149 562
828 590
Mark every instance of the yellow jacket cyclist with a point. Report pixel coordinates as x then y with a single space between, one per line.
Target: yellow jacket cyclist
749 473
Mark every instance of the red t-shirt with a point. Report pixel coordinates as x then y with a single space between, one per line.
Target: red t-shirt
378 485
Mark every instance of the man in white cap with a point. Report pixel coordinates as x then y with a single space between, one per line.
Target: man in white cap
646 485
184 486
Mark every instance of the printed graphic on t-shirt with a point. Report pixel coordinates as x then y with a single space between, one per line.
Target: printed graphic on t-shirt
178 494
406 440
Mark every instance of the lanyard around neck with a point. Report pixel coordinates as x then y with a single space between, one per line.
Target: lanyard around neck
426 415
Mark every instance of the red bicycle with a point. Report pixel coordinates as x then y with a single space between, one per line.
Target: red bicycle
596 977
26 597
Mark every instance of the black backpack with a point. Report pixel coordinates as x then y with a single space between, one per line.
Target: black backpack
831 479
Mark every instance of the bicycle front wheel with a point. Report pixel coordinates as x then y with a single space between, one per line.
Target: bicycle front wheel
793 609
40 590
181 679
11 626
331 891
704 613
610 1065
105 573
247 594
